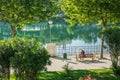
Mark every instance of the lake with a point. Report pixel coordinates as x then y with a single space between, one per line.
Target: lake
67 40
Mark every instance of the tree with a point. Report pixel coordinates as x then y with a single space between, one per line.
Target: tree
17 13
112 38
95 11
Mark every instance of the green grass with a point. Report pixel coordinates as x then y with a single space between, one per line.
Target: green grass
98 74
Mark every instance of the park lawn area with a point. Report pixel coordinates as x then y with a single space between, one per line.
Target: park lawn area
98 74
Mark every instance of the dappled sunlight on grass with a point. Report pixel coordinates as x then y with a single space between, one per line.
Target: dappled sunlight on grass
52 75
98 74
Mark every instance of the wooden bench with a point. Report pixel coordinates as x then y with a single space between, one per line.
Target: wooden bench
82 56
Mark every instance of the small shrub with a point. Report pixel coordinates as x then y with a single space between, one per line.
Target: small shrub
68 69
116 70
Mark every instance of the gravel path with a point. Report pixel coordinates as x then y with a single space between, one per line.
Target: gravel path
58 63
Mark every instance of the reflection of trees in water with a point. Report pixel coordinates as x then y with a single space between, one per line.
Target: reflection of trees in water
5 32
59 33
88 33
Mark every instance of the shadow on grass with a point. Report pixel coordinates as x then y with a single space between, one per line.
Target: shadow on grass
99 74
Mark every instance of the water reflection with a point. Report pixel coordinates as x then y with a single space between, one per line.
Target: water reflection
5 32
79 36
82 35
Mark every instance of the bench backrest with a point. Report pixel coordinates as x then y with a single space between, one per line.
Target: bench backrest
86 55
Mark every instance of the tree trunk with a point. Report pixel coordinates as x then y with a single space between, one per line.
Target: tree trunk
102 47
8 73
102 42
13 31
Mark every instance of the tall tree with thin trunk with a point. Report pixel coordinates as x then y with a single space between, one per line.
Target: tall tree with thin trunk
112 39
102 12
17 13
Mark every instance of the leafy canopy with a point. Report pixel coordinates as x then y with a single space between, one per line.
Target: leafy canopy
112 38
19 12
88 11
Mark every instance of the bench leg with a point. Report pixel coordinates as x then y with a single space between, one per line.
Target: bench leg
76 58
93 59
81 59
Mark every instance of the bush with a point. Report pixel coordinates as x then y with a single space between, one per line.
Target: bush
6 52
30 58
26 57
116 69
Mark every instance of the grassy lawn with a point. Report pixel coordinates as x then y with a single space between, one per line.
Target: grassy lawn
99 74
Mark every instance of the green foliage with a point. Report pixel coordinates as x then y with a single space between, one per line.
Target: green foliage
25 11
116 68
26 57
6 52
18 13
94 11
67 70
112 38
85 11
30 58
98 74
